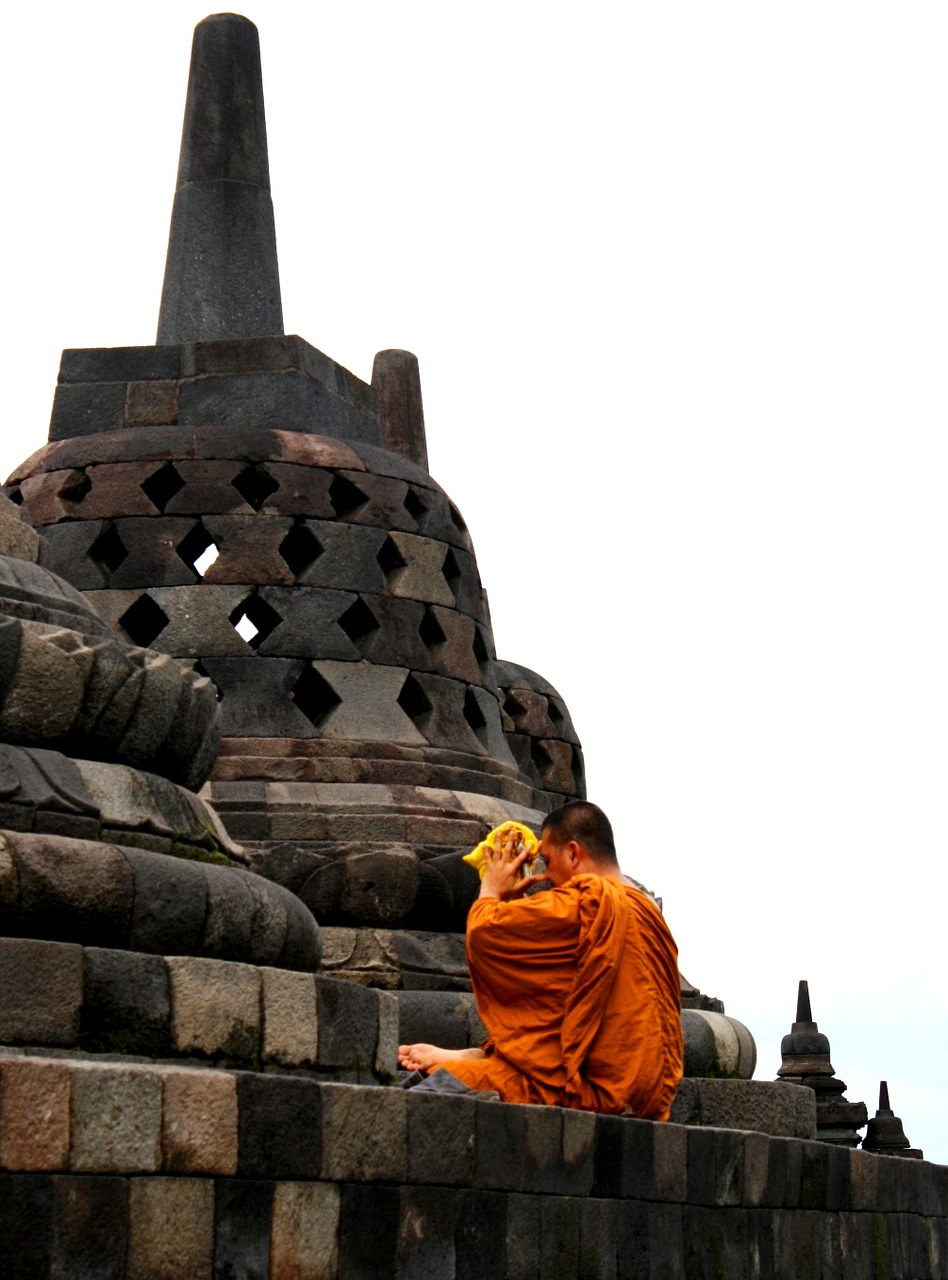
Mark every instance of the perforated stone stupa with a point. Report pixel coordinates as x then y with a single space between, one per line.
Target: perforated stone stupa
238 501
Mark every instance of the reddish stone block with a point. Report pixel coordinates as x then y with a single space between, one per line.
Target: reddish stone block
171 1229
34 1114
199 1121
151 404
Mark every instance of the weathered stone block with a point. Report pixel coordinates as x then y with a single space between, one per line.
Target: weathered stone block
116 1119
305 1234
638 1169
543 1149
559 1235
349 558
441 1138
257 692
199 620
715 1166
480 1240
119 364
302 491
34 1114
598 1239
348 1024
86 408
242 1226
362 1251
151 404
40 992
74 890
170 904
290 1021
365 1134
309 624
26 1224
422 575
756 1169
607 1158
670 1161
386 1046
91 1236
215 1008
116 490
578 1155
248 549
523 1237
784 1110
152 546
499 1163
199 1121
427 1221
172 1229
280 1126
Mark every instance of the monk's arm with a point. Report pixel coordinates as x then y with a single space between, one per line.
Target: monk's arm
422 1057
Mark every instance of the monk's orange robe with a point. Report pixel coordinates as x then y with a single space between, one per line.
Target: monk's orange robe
578 988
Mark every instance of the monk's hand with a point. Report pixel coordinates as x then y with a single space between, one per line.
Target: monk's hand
505 860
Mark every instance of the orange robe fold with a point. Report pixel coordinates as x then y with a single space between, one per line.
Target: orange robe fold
578 988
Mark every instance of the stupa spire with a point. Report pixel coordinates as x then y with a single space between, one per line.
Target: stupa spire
221 276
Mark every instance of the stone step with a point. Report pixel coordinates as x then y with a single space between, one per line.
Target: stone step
60 997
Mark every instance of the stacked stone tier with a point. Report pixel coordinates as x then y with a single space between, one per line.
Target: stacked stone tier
278 1176
352 568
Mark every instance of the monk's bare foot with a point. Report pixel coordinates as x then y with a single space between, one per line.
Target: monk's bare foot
422 1057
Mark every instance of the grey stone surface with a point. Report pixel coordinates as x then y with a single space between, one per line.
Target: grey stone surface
397 382
156 1252
40 992
365 1134
348 1025
280 1127
116 1119
91 1216
126 1004
221 276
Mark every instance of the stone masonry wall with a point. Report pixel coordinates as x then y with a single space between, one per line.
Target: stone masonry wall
147 1172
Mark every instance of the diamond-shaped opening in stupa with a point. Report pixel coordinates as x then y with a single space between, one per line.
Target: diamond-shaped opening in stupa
413 700
144 621
162 485
314 695
198 549
346 497
254 620
430 630
359 622
255 485
108 551
300 548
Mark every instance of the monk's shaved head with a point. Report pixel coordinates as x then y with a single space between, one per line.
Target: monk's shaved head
586 824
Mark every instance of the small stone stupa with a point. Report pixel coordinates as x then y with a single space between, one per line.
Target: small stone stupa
884 1134
806 1061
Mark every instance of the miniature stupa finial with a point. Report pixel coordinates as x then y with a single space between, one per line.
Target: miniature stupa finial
885 1135
221 276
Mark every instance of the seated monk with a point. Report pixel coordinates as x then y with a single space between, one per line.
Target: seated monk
577 985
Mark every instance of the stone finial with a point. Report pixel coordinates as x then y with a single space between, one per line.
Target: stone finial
401 415
805 1056
884 1134
805 1051
221 276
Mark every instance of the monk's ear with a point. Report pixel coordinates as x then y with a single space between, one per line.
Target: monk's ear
575 852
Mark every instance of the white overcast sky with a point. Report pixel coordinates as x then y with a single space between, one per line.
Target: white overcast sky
676 276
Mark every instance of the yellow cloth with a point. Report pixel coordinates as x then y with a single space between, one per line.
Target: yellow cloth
579 990
478 858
